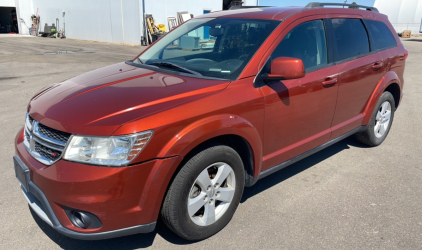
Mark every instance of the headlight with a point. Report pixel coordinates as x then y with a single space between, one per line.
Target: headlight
108 151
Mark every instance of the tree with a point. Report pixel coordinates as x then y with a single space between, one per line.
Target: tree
353 7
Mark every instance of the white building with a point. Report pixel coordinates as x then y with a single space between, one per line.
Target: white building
114 21
403 14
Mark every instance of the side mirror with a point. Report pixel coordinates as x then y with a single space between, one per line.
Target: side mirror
285 68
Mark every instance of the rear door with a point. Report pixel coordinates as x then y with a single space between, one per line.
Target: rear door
385 43
360 68
299 112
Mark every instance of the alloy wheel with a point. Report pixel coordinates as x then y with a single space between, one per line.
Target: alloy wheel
211 194
382 120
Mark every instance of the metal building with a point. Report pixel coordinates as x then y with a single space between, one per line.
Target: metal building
113 21
403 14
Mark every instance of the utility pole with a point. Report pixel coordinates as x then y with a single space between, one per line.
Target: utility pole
345 1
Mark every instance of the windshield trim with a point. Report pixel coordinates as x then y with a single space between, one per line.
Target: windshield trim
172 72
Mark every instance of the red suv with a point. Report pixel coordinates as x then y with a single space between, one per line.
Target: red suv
218 103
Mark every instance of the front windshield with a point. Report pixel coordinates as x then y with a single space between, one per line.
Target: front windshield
210 47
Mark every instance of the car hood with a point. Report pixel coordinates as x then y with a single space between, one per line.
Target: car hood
100 101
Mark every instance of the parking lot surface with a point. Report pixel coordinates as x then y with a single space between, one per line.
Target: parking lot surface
347 196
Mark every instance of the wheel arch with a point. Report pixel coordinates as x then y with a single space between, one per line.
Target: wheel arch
389 82
239 144
394 89
228 129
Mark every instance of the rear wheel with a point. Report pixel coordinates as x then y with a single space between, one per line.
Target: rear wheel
205 193
380 123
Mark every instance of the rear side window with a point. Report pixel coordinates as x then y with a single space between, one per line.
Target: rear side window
381 34
306 42
351 38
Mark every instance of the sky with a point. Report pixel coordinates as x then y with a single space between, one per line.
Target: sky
281 3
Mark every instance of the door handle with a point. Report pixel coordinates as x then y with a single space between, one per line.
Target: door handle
377 65
328 82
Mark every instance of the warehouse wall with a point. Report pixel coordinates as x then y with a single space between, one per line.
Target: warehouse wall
403 14
114 21
161 9
24 10
7 3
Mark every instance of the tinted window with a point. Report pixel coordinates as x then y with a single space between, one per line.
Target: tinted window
351 38
381 34
306 42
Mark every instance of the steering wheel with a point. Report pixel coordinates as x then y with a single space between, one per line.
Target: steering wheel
243 57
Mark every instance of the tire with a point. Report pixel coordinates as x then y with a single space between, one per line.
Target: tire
378 127
187 192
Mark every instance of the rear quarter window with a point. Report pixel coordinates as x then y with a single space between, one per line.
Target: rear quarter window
351 38
380 34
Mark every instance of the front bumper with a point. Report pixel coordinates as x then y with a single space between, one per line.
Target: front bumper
39 204
126 200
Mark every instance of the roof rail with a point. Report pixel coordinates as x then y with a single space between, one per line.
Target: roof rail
236 7
319 5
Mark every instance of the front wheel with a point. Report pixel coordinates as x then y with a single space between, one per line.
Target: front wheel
380 123
205 193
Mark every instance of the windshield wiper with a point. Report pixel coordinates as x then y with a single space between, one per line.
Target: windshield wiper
174 66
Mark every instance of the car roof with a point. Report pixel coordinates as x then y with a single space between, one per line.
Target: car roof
281 13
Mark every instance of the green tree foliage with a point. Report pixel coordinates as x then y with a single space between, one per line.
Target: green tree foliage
353 7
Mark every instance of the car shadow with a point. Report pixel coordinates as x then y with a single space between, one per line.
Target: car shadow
122 243
146 240
298 167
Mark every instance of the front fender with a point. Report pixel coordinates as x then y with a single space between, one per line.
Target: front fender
202 130
389 78
190 137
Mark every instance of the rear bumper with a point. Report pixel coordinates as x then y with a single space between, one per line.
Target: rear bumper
126 200
39 204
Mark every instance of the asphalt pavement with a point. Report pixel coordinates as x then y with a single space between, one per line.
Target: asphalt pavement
347 196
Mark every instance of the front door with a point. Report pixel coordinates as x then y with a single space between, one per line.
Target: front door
299 112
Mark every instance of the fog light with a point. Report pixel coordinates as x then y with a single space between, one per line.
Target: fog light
81 220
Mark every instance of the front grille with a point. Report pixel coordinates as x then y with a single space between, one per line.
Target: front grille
45 144
52 133
30 119
27 136
46 152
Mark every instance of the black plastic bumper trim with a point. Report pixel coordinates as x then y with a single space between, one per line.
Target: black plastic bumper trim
45 210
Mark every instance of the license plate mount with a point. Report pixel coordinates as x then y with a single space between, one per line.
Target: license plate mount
22 172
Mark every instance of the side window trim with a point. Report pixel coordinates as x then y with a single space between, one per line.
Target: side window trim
334 44
331 45
368 34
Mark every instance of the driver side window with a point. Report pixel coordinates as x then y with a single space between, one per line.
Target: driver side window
307 42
